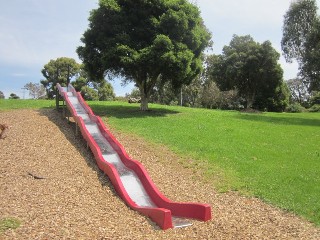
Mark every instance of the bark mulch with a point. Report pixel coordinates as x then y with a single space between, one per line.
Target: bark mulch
50 182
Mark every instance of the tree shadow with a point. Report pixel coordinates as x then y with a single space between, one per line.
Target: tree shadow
68 128
281 120
129 111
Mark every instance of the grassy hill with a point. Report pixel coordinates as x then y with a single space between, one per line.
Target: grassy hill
275 156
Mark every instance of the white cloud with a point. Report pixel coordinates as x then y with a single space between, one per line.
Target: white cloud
18 74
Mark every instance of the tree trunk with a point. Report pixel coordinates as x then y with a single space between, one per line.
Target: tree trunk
250 100
144 98
249 103
145 88
144 102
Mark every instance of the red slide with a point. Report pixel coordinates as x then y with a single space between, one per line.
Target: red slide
128 176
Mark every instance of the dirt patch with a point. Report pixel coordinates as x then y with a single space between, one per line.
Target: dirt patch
50 182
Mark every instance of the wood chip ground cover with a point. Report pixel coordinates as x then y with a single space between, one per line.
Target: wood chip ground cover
73 199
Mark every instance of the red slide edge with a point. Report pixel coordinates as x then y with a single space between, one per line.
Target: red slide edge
166 208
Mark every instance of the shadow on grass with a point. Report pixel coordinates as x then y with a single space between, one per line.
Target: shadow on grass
128 111
282 120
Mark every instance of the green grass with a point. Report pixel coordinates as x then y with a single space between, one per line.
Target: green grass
9 104
9 223
274 156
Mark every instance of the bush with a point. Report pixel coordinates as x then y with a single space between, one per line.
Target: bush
295 108
121 99
315 108
89 94
315 99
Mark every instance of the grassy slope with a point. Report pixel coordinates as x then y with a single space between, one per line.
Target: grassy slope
275 156
8 104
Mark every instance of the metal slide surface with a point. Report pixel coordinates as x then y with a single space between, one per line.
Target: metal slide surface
128 176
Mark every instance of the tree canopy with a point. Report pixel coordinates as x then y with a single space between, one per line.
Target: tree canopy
311 59
58 71
297 24
102 91
249 67
36 90
13 96
301 40
144 42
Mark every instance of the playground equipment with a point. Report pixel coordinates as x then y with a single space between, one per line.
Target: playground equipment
128 176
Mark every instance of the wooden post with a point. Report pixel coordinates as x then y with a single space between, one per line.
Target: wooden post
57 99
77 129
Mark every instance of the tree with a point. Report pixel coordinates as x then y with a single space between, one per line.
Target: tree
191 93
135 93
105 91
1 95
89 94
301 40
36 90
298 91
249 67
311 59
14 96
315 98
297 24
60 71
81 79
210 95
163 93
275 103
102 91
144 42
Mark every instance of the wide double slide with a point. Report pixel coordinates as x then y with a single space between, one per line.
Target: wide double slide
128 176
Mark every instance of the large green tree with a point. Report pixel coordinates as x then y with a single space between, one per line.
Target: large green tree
297 24
311 60
61 70
144 42
301 40
249 67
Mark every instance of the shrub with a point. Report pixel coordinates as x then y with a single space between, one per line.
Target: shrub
315 108
315 99
295 108
121 99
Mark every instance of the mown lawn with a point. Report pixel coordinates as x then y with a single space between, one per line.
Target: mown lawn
9 104
275 156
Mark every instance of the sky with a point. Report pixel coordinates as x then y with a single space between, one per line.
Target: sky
32 32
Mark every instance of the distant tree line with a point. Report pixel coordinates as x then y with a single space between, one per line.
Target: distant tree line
12 96
246 75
